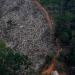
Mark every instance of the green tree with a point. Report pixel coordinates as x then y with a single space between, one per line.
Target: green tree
9 22
49 58
72 42
68 17
72 70
64 37
11 60
14 61
61 57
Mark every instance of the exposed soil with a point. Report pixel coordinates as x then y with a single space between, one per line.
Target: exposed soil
30 33
51 67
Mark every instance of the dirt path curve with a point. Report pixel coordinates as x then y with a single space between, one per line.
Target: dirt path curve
51 67
47 16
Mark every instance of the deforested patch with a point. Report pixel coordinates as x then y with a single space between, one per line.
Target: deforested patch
29 33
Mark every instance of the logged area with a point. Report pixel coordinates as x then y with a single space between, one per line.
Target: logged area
24 28
37 37
52 65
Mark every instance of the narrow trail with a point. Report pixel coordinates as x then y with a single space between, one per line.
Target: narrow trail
51 66
47 16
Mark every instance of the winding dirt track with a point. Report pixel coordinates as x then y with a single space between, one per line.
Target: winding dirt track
51 67
47 16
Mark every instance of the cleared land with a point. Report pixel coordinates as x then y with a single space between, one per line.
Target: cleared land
30 33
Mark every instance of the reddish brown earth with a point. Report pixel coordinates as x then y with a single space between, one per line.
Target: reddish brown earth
47 16
52 65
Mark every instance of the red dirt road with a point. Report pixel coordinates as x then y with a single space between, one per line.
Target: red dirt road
47 16
51 67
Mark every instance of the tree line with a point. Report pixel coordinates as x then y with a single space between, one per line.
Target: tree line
10 62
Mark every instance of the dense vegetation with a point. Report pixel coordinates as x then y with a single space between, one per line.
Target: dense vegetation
63 13
49 58
10 62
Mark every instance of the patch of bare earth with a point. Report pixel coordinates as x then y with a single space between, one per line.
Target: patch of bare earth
30 33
